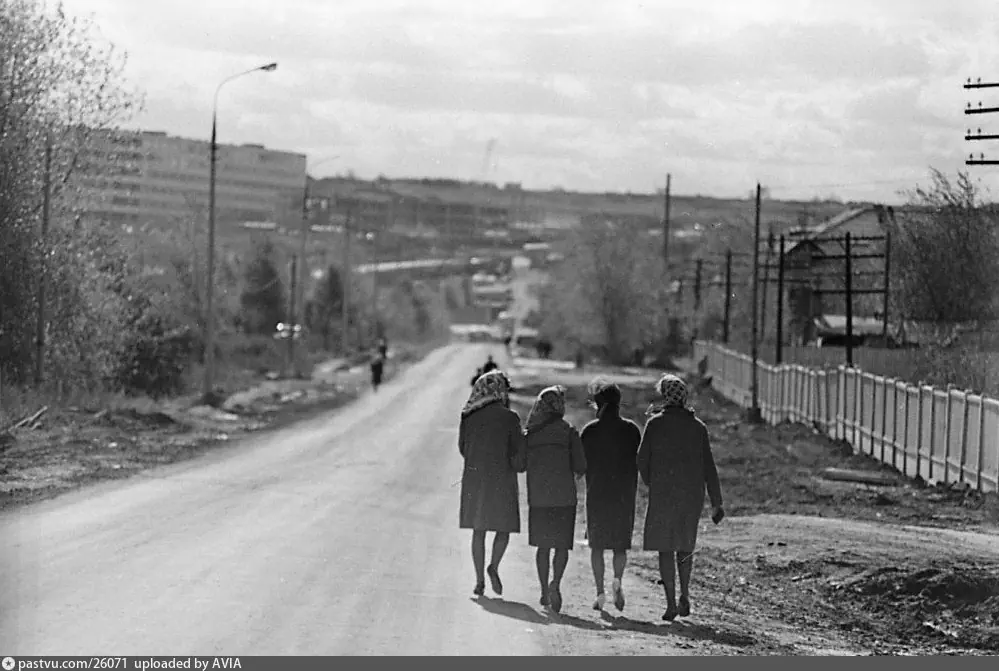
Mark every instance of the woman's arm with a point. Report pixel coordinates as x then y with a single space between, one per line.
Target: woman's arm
577 457
517 446
711 473
644 457
461 437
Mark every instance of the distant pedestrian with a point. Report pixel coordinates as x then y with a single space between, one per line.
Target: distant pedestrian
610 443
489 365
382 348
554 457
377 370
492 444
478 374
676 463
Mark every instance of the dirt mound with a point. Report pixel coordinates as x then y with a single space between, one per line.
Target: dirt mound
956 605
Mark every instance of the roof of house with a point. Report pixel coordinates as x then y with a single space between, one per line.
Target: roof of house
830 225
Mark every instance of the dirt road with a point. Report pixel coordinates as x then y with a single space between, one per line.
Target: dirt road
338 536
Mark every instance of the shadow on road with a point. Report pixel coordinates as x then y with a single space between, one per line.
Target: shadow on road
680 629
514 609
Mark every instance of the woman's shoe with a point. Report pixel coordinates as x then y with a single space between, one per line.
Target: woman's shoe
555 597
684 609
494 578
670 614
618 595
598 603
480 589
544 599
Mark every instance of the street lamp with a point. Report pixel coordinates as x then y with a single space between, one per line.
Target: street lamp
209 296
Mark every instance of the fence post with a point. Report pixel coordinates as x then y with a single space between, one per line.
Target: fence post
981 445
858 404
964 433
919 429
894 423
884 414
905 432
933 421
947 428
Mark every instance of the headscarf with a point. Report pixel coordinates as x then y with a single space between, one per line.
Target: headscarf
549 405
604 397
492 387
673 391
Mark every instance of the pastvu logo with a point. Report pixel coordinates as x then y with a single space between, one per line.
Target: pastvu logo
8 663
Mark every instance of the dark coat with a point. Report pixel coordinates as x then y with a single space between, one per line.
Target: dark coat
492 443
611 448
676 463
554 457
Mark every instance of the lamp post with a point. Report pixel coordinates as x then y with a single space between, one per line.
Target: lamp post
210 291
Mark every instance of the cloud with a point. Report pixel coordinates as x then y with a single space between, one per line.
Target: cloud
602 94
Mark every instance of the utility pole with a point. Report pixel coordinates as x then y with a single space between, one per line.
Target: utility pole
766 282
345 303
666 222
779 358
46 214
294 276
978 135
698 269
849 300
728 296
884 311
292 326
754 415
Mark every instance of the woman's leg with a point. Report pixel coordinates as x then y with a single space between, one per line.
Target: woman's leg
684 567
558 569
541 560
667 570
479 558
620 560
597 562
500 542
501 539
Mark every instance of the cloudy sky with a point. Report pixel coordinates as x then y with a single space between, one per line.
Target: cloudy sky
850 97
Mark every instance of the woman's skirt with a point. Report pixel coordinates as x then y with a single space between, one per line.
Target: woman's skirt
552 527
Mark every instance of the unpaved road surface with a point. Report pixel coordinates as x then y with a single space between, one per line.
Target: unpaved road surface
336 536
339 536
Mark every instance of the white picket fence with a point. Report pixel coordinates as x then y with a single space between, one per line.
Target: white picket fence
941 435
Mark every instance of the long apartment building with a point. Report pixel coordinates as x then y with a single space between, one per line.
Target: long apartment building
145 176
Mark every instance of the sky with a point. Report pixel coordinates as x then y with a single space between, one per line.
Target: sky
852 98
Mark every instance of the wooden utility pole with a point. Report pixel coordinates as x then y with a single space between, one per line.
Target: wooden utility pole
728 296
666 222
887 286
345 303
849 300
43 270
779 358
754 414
291 315
698 270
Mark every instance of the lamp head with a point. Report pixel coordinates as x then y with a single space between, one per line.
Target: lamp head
270 67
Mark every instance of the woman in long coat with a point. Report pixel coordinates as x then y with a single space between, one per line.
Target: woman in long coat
554 457
676 463
610 443
492 443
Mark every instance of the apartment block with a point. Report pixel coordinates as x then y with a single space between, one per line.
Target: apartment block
149 176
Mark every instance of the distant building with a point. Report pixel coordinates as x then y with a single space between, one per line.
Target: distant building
147 176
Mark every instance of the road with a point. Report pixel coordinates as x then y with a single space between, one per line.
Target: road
336 536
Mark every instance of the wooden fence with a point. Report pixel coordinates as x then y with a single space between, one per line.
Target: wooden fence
941 435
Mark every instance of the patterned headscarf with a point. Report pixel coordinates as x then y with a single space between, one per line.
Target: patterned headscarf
549 405
490 388
673 391
604 395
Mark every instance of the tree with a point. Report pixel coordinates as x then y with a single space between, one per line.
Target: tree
945 253
262 302
606 293
61 97
326 305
